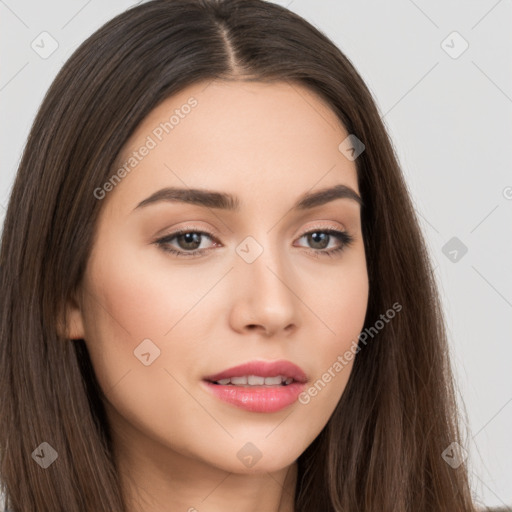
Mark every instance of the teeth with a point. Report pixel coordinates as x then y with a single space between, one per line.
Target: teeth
273 381
237 381
256 380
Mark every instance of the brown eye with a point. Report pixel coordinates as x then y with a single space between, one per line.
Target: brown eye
187 244
319 240
189 241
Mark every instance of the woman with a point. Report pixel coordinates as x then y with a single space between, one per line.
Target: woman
216 295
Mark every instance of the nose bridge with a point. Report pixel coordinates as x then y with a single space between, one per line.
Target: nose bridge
265 284
262 258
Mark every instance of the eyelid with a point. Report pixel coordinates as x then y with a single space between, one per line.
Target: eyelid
189 229
320 226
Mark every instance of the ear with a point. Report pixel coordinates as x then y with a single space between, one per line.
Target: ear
70 324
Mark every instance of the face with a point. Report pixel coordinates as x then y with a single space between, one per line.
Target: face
264 276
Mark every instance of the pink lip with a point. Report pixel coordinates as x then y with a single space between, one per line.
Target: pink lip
259 398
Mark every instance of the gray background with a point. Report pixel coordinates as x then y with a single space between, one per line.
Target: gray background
449 116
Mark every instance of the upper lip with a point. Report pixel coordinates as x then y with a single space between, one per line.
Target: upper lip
262 369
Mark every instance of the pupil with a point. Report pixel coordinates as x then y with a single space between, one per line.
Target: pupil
319 238
191 238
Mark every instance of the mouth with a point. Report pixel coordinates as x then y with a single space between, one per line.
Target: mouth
258 386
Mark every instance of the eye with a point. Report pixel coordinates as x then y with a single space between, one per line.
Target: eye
189 242
320 239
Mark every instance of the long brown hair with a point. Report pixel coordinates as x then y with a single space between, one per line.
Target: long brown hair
382 448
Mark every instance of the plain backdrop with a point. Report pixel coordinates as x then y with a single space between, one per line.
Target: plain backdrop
441 75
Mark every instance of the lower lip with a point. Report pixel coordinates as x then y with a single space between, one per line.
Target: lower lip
257 398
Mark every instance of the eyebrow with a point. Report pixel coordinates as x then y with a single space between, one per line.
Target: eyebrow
224 201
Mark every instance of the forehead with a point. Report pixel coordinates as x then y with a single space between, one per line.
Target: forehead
247 138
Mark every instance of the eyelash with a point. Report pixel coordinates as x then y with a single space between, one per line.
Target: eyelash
343 236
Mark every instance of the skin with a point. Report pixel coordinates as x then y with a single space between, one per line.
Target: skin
176 444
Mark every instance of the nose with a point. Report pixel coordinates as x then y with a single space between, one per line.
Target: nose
265 295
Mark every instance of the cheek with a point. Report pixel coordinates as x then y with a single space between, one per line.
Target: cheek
141 296
139 304
139 368
125 307
339 299
341 310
